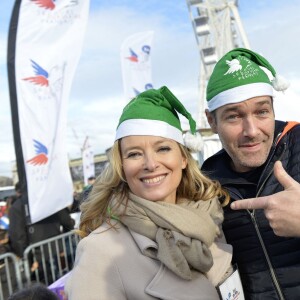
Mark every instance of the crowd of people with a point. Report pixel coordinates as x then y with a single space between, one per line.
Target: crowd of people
17 235
64 220
156 225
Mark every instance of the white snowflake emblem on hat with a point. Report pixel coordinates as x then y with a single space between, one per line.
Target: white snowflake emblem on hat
234 66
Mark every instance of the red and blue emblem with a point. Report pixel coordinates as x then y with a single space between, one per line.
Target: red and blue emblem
41 75
41 157
133 56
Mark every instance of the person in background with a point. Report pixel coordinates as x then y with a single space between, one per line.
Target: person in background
87 189
260 160
74 208
91 180
4 224
21 234
151 226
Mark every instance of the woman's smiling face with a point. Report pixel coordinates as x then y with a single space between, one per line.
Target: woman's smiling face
152 167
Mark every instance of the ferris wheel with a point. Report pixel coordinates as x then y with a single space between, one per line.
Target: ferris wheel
218 29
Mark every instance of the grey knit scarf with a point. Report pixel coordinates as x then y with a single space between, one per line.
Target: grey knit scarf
183 231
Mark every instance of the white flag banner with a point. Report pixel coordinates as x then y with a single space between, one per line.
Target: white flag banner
88 164
48 45
136 63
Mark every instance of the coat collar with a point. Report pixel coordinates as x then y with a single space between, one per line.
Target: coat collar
168 286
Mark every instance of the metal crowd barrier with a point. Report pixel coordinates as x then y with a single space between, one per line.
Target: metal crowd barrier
10 274
43 262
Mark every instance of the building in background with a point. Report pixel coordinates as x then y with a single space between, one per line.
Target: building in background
76 168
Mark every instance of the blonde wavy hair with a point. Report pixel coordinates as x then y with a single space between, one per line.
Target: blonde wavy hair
194 185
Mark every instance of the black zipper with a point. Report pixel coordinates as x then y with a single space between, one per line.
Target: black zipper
271 269
252 215
254 222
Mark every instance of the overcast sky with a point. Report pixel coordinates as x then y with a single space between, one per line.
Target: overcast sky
97 97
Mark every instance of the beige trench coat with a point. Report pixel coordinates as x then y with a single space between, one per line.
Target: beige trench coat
110 265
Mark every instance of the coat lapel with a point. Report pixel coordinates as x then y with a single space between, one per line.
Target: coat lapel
166 285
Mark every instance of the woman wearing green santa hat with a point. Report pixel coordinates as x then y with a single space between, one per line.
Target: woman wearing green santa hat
260 160
151 226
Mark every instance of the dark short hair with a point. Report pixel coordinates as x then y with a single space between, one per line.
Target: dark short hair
92 178
35 292
18 187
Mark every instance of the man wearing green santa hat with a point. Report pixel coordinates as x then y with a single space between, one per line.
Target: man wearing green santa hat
260 167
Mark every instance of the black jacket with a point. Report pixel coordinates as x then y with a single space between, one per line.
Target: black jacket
270 267
22 235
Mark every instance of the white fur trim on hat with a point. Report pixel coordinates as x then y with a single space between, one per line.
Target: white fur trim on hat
148 127
240 93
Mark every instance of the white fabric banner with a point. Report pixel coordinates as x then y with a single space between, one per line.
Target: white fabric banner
48 46
136 64
88 165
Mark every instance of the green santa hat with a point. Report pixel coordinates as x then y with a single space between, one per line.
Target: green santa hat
154 112
238 76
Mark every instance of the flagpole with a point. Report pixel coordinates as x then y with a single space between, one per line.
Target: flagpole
11 54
